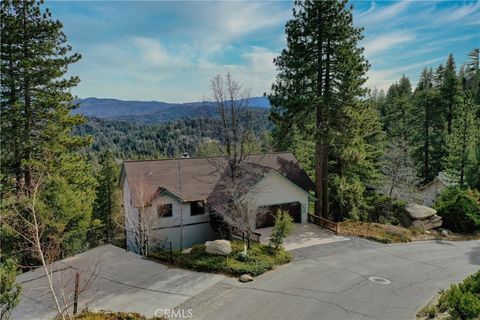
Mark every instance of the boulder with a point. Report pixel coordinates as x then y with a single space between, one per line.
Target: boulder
419 212
245 278
220 247
418 224
186 251
432 222
444 233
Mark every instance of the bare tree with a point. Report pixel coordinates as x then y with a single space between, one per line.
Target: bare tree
399 172
231 198
236 140
24 218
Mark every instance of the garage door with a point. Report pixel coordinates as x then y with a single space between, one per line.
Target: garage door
293 208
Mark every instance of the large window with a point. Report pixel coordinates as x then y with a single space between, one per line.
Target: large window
164 210
197 208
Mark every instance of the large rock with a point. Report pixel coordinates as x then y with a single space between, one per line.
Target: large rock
220 247
419 225
432 222
419 212
245 278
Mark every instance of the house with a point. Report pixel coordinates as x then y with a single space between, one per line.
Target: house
174 199
428 193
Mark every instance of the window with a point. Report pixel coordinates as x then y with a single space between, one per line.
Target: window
197 208
164 210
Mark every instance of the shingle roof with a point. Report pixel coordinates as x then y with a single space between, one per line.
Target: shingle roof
195 178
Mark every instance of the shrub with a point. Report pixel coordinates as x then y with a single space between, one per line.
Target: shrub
282 228
242 256
462 301
259 259
383 209
460 209
9 290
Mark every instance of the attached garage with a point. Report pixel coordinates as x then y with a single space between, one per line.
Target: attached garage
268 220
275 192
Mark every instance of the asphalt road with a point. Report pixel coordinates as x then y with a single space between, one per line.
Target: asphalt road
333 281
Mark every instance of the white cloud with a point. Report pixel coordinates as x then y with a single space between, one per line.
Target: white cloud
387 41
154 54
375 15
460 13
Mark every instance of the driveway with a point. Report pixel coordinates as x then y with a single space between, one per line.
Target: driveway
356 279
303 235
122 281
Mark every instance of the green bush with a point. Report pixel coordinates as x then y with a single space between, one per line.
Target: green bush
462 301
282 228
383 209
259 259
460 209
9 290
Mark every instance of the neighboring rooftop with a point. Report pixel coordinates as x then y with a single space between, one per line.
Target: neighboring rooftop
443 178
194 179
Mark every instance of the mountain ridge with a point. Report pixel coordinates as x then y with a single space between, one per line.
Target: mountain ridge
153 111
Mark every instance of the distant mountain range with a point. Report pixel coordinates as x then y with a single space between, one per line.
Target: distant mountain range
154 111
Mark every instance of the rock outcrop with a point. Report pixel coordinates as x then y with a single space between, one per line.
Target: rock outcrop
220 247
421 217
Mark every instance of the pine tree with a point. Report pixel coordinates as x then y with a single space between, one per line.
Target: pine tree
397 106
462 142
450 91
427 128
36 101
106 208
38 145
317 90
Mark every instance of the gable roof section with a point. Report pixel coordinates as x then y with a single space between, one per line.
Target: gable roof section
442 178
195 179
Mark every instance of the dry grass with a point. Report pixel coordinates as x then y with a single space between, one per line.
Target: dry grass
384 233
105 315
387 233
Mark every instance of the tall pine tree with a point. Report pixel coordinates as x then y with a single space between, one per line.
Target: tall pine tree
427 128
462 141
317 91
37 141
450 91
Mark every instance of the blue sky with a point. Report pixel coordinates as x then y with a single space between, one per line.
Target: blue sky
169 50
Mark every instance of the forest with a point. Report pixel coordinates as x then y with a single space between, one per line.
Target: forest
134 140
362 147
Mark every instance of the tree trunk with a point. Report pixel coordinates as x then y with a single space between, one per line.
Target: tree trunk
27 107
464 150
319 139
426 147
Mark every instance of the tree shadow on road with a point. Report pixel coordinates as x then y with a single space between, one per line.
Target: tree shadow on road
474 256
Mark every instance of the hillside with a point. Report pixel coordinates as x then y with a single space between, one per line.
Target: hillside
153 111
135 140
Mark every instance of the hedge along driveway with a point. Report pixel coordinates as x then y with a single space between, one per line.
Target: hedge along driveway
259 259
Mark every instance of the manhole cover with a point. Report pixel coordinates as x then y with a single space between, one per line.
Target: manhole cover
379 280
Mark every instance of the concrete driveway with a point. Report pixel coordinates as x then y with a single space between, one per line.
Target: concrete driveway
122 281
356 279
303 235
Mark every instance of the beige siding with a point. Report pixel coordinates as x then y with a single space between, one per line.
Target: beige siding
181 227
131 218
275 189
430 193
